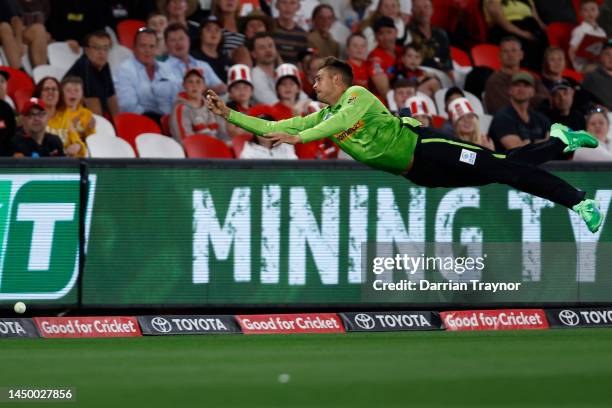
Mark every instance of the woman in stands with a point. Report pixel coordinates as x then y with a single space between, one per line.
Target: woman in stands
211 47
227 12
597 124
466 123
68 118
518 18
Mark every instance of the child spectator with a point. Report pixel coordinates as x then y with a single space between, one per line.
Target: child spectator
466 123
589 10
190 115
409 67
158 23
419 110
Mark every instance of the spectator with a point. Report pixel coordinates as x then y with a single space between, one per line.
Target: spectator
419 110
264 54
240 88
4 77
158 22
384 57
93 68
433 40
553 67
211 47
560 108
260 148
72 21
466 124
7 129
21 27
409 67
227 11
255 22
32 140
320 37
403 89
589 10
599 82
357 57
598 125
290 38
391 9
518 18
48 89
179 60
309 66
497 85
72 121
190 115
144 85
517 125
177 12
450 95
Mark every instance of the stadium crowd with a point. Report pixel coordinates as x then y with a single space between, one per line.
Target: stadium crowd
493 72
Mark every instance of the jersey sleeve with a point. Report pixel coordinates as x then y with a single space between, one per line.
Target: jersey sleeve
260 126
350 113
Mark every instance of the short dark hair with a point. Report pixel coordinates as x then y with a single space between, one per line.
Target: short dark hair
510 38
352 36
320 7
175 27
257 36
143 31
338 66
414 46
97 34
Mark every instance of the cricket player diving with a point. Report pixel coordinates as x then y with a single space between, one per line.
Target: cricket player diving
359 123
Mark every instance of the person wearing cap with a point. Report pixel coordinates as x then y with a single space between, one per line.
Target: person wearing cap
179 60
497 85
466 124
419 110
560 109
143 84
320 37
517 124
450 95
240 87
599 82
363 127
4 77
32 140
211 47
190 115
385 56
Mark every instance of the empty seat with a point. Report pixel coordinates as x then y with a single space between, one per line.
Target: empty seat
204 146
129 125
104 126
153 145
101 146
60 54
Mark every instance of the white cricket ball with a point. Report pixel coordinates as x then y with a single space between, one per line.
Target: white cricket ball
19 307
283 378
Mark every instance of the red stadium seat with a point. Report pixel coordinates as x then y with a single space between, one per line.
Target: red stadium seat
445 14
577 76
461 57
437 121
126 31
165 125
204 146
238 142
559 34
471 19
486 55
18 80
21 97
130 125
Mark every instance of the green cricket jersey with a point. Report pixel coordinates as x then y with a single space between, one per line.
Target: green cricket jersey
359 124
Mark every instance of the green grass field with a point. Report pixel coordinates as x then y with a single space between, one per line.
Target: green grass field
549 368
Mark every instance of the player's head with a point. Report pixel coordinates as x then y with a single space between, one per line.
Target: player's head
332 79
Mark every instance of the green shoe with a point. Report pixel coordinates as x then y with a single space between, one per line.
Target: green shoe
572 139
589 211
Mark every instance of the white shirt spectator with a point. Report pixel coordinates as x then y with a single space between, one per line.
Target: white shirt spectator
578 34
255 151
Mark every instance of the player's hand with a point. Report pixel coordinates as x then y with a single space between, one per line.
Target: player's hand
216 105
278 137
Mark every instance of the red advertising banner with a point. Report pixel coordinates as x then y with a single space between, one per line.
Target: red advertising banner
77 327
290 323
510 319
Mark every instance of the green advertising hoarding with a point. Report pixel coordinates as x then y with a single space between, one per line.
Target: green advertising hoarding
39 232
302 235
